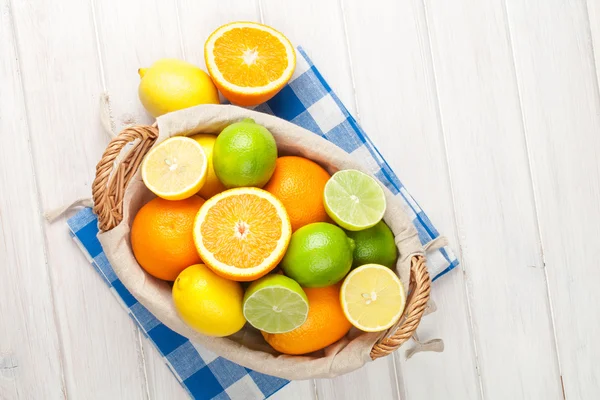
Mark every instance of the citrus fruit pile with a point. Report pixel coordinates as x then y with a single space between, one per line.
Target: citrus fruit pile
248 237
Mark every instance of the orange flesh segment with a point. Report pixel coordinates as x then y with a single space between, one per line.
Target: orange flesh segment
250 57
241 231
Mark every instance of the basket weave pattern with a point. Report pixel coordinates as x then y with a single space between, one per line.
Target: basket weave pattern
108 191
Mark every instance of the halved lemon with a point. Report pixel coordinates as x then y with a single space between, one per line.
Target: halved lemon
175 169
242 233
372 298
249 62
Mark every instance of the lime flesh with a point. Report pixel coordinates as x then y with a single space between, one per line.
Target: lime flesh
354 200
275 304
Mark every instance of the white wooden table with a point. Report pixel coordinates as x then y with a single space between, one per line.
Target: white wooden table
488 110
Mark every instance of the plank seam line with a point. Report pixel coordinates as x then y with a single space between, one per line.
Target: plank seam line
261 15
592 46
453 201
178 21
139 346
400 385
38 200
533 186
349 57
98 51
143 359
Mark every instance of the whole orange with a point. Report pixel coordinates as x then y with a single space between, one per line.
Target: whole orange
162 236
325 324
299 183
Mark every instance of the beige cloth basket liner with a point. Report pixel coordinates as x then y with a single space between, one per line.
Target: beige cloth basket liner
247 347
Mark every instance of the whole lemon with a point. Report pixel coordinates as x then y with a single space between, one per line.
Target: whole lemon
210 304
212 185
171 85
245 154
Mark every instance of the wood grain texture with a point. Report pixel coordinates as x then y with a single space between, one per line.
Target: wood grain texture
400 118
593 12
499 97
197 20
60 70
496 218
318 27
30 353
143 34
558 88
297 390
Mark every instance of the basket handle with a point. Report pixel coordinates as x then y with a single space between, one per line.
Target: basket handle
111 179
420 287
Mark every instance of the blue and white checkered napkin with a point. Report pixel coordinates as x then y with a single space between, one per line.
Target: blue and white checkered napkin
306 101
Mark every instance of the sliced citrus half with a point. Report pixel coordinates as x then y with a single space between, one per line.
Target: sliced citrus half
275 304
242 233
249 62
372 298
175 169
354 200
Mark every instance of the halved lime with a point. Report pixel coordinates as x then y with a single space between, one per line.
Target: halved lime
354 200
275 304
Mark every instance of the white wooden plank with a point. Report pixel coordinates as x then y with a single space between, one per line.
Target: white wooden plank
593 10
556 72
61 79
30 354
376 380
199 19
296 390
497 227
132 35
391 50
324 41
318 27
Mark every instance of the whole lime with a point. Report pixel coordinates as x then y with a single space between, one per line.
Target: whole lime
374 245
244 155
319 254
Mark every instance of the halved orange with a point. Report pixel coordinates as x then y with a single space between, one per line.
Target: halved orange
242 233
249 62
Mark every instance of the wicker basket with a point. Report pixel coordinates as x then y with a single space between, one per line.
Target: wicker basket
115 171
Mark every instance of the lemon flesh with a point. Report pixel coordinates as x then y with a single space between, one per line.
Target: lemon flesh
372 298
213 185
275 304
175 169
354 200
